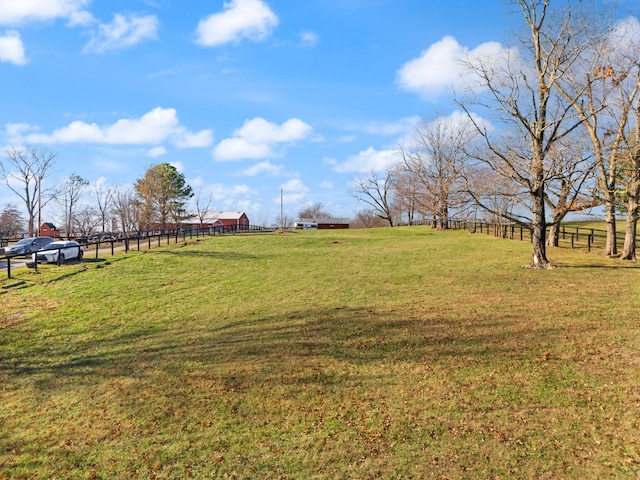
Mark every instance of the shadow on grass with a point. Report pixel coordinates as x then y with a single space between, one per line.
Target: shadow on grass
205 254
606 267
274 348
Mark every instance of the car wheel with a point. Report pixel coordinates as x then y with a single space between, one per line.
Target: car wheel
80 255
61 257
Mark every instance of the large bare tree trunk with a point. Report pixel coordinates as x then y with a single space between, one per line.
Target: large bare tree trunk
611 246
629 250
633 204
539 231
553 240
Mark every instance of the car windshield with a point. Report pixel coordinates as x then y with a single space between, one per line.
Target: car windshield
24 241
56 245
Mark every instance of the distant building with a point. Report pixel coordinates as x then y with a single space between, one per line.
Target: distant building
49 230
226 220
323 223
239 220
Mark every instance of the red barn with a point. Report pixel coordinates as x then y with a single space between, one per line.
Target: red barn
239 220
49 230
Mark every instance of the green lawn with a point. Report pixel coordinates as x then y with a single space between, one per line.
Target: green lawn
383 353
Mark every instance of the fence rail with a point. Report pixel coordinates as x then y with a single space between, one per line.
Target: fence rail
569 236
138 240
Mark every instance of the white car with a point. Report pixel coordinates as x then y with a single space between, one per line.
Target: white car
66 250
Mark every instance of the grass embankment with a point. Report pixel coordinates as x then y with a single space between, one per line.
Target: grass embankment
387 353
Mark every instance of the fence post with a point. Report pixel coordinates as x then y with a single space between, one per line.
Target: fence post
8 267
97 245
588 243
572 241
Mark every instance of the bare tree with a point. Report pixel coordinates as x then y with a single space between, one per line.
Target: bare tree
633 193
85 221
367 218
376 192
70 195
526 106
126 209
24 171
314 212
104 199
11 222
605 85
571 186
286 221
406 190
495 196
435 159
203 206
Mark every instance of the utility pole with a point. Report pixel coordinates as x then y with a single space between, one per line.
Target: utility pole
39 204
281 210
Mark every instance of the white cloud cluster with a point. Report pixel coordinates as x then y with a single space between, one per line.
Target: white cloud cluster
439 69
12 49
20 12
123 32
258 137
293 191
309 39
266 168
403 126
252 19
624 37
153 128
368 160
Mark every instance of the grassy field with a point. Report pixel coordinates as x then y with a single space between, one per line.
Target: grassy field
384 353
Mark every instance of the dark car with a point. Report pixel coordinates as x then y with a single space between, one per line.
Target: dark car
27 245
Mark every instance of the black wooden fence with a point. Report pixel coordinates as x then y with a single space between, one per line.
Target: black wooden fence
569 236
147 239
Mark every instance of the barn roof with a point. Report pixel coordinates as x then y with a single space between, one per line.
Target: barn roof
325 220
212 217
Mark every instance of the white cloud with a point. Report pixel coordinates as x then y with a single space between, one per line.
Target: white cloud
265 167
401 127
309 39
252 19
624 38
220 192
153 128
123 32
367 160
326 185
239 148
439 69
156 152
20 12
257 137
12 49
179 166
293 191
186 139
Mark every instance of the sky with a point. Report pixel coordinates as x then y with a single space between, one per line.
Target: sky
260 104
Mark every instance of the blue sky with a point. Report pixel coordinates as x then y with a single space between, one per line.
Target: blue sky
244 97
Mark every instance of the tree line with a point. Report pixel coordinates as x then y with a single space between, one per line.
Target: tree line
546 129
160 196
